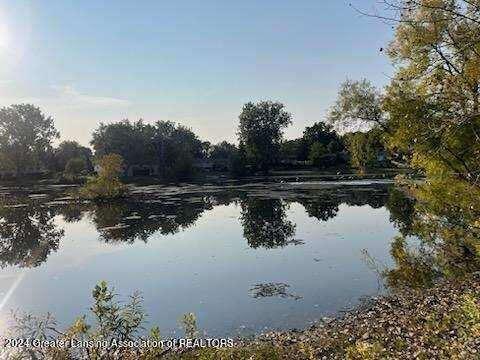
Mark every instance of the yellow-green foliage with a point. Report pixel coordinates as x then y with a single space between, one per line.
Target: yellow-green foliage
446 221
364 149
107 184
433 103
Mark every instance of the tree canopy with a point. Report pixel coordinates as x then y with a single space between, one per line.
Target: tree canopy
433 101
26 136
365 149
165 144
358 107
261 132
69 150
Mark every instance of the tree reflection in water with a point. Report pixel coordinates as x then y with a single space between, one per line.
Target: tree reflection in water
265 223
446 221
28 233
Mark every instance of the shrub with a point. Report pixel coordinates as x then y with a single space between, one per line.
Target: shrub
107 184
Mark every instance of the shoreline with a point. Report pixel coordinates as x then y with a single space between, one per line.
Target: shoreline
441 322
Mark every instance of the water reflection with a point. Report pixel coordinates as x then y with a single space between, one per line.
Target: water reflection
272 290
444 218
139 220
217 249
265 223
257 249
29 234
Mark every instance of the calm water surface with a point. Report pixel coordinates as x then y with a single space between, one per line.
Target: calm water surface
242 260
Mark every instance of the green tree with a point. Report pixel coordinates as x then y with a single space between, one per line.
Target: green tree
358 107
170 147
75 167
261 132
318 155
239 162
176 150
182 168
68 150
322 133
365 149
26 135
290 150
222 151
133 141
433 103
223 155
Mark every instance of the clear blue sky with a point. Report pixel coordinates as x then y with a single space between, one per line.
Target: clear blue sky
190 61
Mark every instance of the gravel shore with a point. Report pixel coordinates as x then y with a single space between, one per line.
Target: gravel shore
442 322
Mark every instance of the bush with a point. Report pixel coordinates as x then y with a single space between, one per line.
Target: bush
107 184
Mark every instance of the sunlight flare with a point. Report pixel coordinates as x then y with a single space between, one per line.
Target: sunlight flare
11 291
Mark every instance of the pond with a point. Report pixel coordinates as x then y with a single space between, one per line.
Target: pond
243 258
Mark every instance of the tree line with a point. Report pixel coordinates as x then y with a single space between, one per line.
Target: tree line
172 151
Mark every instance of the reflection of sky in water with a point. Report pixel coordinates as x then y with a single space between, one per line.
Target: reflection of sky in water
209 269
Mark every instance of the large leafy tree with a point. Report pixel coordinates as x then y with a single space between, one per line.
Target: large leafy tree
320 140
176 147
131 140
223 155
291 150
358 107
75 167
70 150
434 101
167 145
364 149
261 132
222 151
26 135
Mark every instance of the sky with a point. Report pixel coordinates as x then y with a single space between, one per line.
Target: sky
189 61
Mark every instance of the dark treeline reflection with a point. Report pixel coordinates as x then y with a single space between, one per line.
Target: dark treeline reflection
28 232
